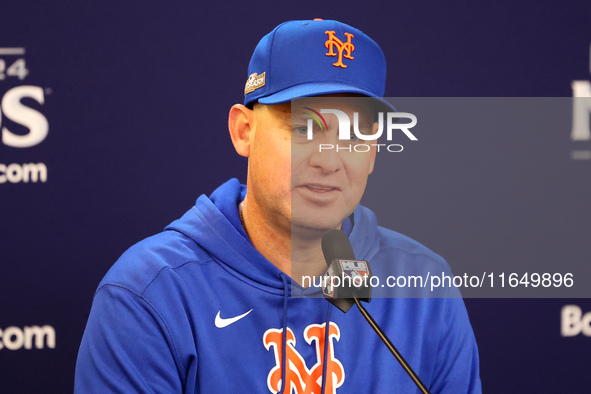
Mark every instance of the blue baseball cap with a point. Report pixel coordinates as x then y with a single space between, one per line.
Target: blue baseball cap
312 58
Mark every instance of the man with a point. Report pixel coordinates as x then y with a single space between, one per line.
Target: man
204 305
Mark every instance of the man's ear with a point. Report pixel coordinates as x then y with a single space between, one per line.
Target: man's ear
241 122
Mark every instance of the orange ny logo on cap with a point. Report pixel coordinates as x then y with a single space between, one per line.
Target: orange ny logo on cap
341 47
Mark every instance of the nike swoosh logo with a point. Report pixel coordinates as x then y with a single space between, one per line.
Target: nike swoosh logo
221 323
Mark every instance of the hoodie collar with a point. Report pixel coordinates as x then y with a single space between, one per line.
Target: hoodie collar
214 224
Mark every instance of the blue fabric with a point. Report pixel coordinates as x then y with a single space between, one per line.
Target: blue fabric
151 327
294 59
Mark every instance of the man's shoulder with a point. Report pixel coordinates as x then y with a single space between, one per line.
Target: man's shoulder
393 243
373 240
145 261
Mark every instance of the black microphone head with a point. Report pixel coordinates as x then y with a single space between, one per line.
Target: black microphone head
346 277
336 245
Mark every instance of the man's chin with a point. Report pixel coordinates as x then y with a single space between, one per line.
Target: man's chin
311 227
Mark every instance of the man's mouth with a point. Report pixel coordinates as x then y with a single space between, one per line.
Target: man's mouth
320 188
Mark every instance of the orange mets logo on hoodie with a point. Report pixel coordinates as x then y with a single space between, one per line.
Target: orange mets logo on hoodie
299 378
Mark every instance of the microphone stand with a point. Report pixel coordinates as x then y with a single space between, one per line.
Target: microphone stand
391 347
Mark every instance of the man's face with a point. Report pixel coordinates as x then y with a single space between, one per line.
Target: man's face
297 183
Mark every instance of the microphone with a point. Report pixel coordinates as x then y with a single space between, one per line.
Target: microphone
346 278
341 262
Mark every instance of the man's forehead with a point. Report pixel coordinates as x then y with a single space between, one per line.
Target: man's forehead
298 108
346 103
281 111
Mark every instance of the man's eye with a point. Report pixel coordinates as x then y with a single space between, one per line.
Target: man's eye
300 130
353 138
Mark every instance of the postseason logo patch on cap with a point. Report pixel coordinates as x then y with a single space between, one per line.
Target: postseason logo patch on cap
254 82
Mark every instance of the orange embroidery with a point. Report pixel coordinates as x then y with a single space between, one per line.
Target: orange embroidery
300 379
342 47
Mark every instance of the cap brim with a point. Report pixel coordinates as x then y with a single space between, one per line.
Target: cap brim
318 89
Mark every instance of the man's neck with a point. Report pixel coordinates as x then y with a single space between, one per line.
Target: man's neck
291 252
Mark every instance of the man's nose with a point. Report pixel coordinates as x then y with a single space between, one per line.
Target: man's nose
326 154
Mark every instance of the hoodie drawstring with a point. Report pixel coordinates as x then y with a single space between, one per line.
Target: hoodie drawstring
284 342
284 327
326 339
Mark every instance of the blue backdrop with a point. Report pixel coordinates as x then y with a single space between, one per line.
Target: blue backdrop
125 106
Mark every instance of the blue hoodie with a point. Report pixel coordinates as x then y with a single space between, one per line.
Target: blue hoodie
198 309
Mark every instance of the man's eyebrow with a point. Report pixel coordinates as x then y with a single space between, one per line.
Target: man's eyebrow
299 117
301 114
285 115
